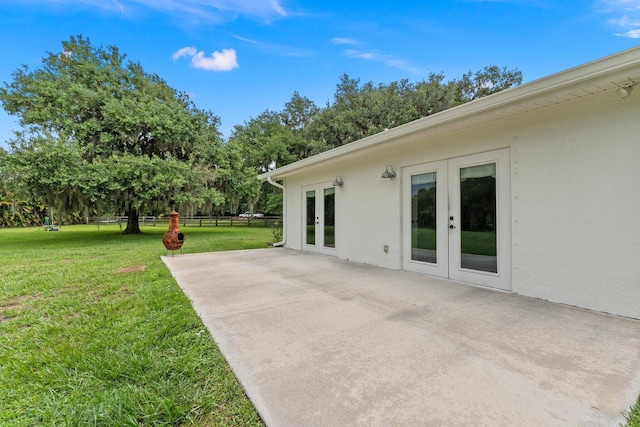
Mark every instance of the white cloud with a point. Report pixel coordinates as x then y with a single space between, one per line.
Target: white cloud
185 51
632 34
244 39
277 49
343 40
275 5
225 60
351 53
624 15
218 61
619 5
200 11
385 59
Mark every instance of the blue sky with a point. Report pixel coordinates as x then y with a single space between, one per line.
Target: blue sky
238 58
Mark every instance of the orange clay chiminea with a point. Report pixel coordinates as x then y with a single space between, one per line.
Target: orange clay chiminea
173 239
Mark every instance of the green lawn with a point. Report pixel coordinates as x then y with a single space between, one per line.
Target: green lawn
95 331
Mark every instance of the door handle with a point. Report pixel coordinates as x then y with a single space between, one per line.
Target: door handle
452 226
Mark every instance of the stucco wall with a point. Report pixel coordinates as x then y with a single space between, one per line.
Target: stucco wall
576 206
575 199
367 212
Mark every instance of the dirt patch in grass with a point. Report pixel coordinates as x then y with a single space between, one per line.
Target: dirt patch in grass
19 301
9 305
12 306
132 269
6 317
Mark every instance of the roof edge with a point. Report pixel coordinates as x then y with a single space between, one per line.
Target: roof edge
591 72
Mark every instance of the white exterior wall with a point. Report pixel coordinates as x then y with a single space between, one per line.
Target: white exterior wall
576 220
362 204
575 199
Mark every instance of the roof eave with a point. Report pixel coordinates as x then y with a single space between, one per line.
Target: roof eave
604 74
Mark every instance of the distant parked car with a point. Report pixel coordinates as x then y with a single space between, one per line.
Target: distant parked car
251 215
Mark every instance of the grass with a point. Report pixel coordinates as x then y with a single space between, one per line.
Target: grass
633 415
95 331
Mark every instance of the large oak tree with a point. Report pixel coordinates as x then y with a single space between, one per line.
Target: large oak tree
125 129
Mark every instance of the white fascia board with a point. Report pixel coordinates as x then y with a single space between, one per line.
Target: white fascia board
618 70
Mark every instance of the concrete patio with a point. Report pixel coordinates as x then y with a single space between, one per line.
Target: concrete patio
319 341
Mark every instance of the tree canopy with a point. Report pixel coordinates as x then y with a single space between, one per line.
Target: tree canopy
301 128
99 131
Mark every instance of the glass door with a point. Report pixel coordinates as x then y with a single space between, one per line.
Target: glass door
425 237
311 221
480 219
457 220
329 218
319 218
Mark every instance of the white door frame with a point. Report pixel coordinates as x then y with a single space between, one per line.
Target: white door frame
319 244
448 231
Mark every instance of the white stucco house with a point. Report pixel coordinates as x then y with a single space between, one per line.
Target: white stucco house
534 190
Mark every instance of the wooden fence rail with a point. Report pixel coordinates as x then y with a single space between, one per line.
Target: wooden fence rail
191 221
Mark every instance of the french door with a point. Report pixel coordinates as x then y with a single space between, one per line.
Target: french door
319 211
457 219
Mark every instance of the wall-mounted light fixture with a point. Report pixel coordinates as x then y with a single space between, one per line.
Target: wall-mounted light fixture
388 173
624 92
338 182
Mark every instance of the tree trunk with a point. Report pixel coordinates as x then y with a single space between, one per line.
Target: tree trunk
133 226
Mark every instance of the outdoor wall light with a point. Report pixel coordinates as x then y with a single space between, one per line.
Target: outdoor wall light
388 173
338 182
624 92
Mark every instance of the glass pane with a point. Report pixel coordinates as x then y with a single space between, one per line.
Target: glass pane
423 217
329 217
311 218
478 218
